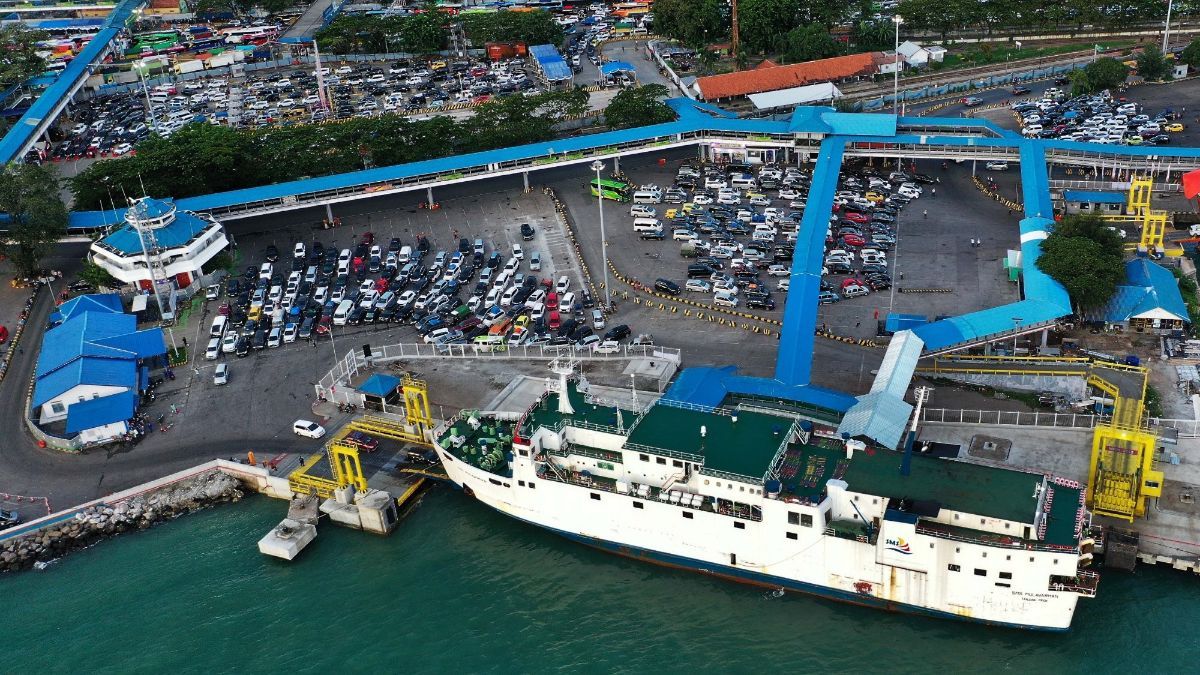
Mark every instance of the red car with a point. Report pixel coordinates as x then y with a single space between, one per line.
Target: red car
361 441
552 300
555 321
223 310
368 238
853 240
381 285
856 217
850 281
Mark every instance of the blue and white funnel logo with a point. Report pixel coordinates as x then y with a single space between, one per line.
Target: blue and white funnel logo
898 545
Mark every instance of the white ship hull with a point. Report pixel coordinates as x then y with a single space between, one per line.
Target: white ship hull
766 553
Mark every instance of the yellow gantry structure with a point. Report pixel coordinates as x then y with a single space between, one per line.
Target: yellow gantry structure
1121 475
1137 210
345 464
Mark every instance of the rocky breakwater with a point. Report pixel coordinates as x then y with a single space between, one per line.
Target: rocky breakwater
100 521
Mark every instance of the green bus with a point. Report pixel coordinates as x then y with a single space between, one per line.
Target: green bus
611 189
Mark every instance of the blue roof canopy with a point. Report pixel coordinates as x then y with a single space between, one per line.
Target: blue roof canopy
1094 197
379 384
617 67
553 66
98 412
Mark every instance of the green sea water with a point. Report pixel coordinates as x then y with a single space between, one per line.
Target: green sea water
459 588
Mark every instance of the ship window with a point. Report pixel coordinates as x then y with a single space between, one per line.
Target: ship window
739 525
532 485
523 453
1006 525
793 518
660 460
956 516
874 500
1006 575
507 485
1008 557
1030 558
644 458
741 488
688 515
493 481
521 483
595 496
953 568
677 464
806 520
983 521
985 554
639 505
792 535
980 573
1003 585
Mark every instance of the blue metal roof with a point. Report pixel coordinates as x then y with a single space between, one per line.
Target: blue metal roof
896 322
1149 287
93 302
708 386
182 229
700 385
149 208
98 412
878 416
85 370
379 384
860 124
22 132
551 62
143 344
1094 197
76 337
617 67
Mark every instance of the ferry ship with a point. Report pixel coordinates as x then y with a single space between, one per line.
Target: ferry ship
779 500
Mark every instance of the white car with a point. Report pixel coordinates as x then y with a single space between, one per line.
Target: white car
702 200
122 149
562 285
298 252
518 252
308 429
996 165
698 285
229 342
289 333
607 347
783 285
213 350
778 270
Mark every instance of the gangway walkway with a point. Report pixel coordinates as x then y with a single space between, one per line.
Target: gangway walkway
50 104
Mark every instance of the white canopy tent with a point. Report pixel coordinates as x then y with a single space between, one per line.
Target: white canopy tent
794 96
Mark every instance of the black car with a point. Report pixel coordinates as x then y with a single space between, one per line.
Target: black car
656 235
618 332
232 288
526 232
242 346
259 341
874 268
700 271
760 303
586 296
272 253
1017 90
666 286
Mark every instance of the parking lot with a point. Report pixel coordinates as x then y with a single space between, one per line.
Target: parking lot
927 263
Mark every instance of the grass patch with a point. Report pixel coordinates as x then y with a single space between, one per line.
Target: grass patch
1154 406
986 53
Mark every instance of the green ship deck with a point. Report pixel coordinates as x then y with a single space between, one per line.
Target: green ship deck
743 448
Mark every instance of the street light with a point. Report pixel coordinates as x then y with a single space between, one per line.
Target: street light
598 166
896 19
1167 25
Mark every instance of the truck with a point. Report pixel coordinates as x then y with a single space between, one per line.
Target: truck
182 67
226 58
688 250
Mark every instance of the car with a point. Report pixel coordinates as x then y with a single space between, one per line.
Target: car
1018 90
242 347
361 441
607 347
229 343
535 261
527 232
698 286
213 350
221 374
828 298
587 343
618 332
779 271
971 101
289 332
308 429
666 286
1174 127
562 284
996 165
275 337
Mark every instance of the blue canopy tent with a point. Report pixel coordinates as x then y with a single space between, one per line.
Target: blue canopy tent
611 68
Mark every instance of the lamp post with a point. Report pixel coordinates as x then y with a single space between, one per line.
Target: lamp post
1167 25
598 166
896 19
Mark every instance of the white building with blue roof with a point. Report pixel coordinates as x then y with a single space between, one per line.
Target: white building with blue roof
155 233
1149 300
94 355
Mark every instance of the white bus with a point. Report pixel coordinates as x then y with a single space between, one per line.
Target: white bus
251 34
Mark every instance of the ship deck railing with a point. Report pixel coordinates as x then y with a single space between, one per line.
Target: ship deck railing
1085 582
988 538
569 448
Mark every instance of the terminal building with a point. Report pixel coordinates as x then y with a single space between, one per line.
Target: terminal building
159 246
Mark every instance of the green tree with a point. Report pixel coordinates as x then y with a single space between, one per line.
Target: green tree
1191 54
1151 64
1104 73
760 21
1085 257
873 35
240 7
808 43
19 60
29 194
97 276
692 22
535 28
638 107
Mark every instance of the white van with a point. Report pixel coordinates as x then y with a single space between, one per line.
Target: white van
646 224
647 197
744 181
342 312
218 326
405 255
640 211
